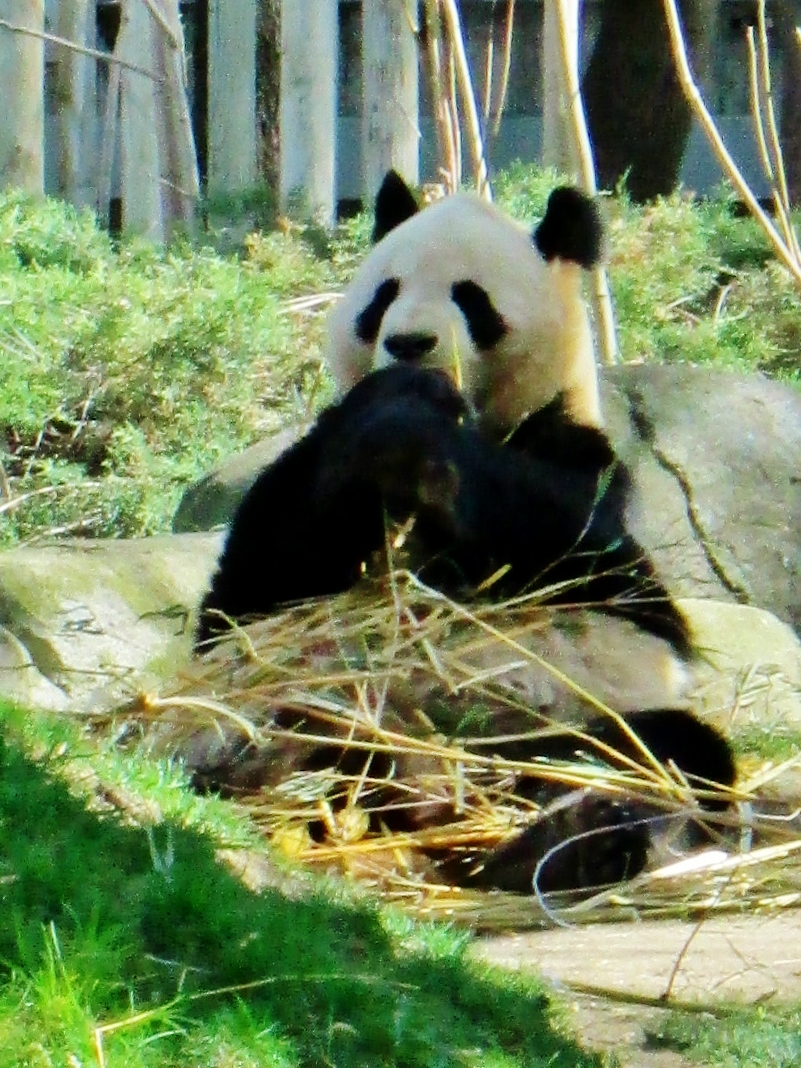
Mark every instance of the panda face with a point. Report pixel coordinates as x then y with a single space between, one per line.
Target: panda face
461 288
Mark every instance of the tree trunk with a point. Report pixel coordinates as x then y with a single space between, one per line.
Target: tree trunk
75 103
232 95
557 141
22 96
140 187
309 60
268 90
638 116
390 120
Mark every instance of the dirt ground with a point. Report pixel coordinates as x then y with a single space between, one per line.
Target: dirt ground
749 959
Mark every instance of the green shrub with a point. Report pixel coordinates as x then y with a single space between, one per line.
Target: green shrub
126 373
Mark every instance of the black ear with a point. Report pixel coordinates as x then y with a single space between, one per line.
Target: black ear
394 204
571 229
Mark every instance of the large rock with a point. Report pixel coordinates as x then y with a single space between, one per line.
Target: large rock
85 624
717 502
717 484
82 621
211 501
748 673
715 459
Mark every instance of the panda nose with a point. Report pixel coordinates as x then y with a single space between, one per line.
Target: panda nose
409 347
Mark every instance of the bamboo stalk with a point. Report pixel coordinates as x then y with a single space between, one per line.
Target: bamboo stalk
782 197
489 64
452 109
316 678
600 292
465 82
443 119
506 69
756 106
757 59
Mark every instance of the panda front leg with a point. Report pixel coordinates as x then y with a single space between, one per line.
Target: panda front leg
311 519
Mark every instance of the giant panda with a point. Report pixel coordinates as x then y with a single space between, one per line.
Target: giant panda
469 402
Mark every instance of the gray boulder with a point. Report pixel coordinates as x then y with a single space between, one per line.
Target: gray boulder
716 460
83 622
211 501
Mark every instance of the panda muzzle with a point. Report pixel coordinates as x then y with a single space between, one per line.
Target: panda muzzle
410 347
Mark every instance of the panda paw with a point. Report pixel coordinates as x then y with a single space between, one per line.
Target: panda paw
423 389
397 432
590 843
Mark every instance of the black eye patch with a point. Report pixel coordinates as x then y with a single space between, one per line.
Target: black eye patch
484 321
368 321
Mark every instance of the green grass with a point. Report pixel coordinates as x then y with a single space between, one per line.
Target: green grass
691 282
758 1037
139 938
127 372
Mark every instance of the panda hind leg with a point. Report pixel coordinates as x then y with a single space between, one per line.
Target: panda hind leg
585 839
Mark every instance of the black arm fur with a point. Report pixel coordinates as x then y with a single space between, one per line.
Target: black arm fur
549 505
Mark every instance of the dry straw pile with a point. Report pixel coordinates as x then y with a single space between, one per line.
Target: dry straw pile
338 722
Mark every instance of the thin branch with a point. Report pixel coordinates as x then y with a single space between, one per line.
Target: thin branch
93 53
174 40
699 108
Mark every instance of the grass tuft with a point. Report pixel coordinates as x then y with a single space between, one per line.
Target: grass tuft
129 943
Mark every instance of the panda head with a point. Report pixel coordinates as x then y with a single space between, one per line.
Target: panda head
460 287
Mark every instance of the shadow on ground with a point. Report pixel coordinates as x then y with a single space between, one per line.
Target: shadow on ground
151 917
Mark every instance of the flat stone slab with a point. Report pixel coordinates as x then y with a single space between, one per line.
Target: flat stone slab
607 974
748 958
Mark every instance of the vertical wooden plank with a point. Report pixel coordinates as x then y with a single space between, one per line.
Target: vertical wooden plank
390 119
177 155
308 110
231 95
75 101
22 96
140 186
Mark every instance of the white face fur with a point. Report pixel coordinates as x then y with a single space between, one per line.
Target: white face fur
460 287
